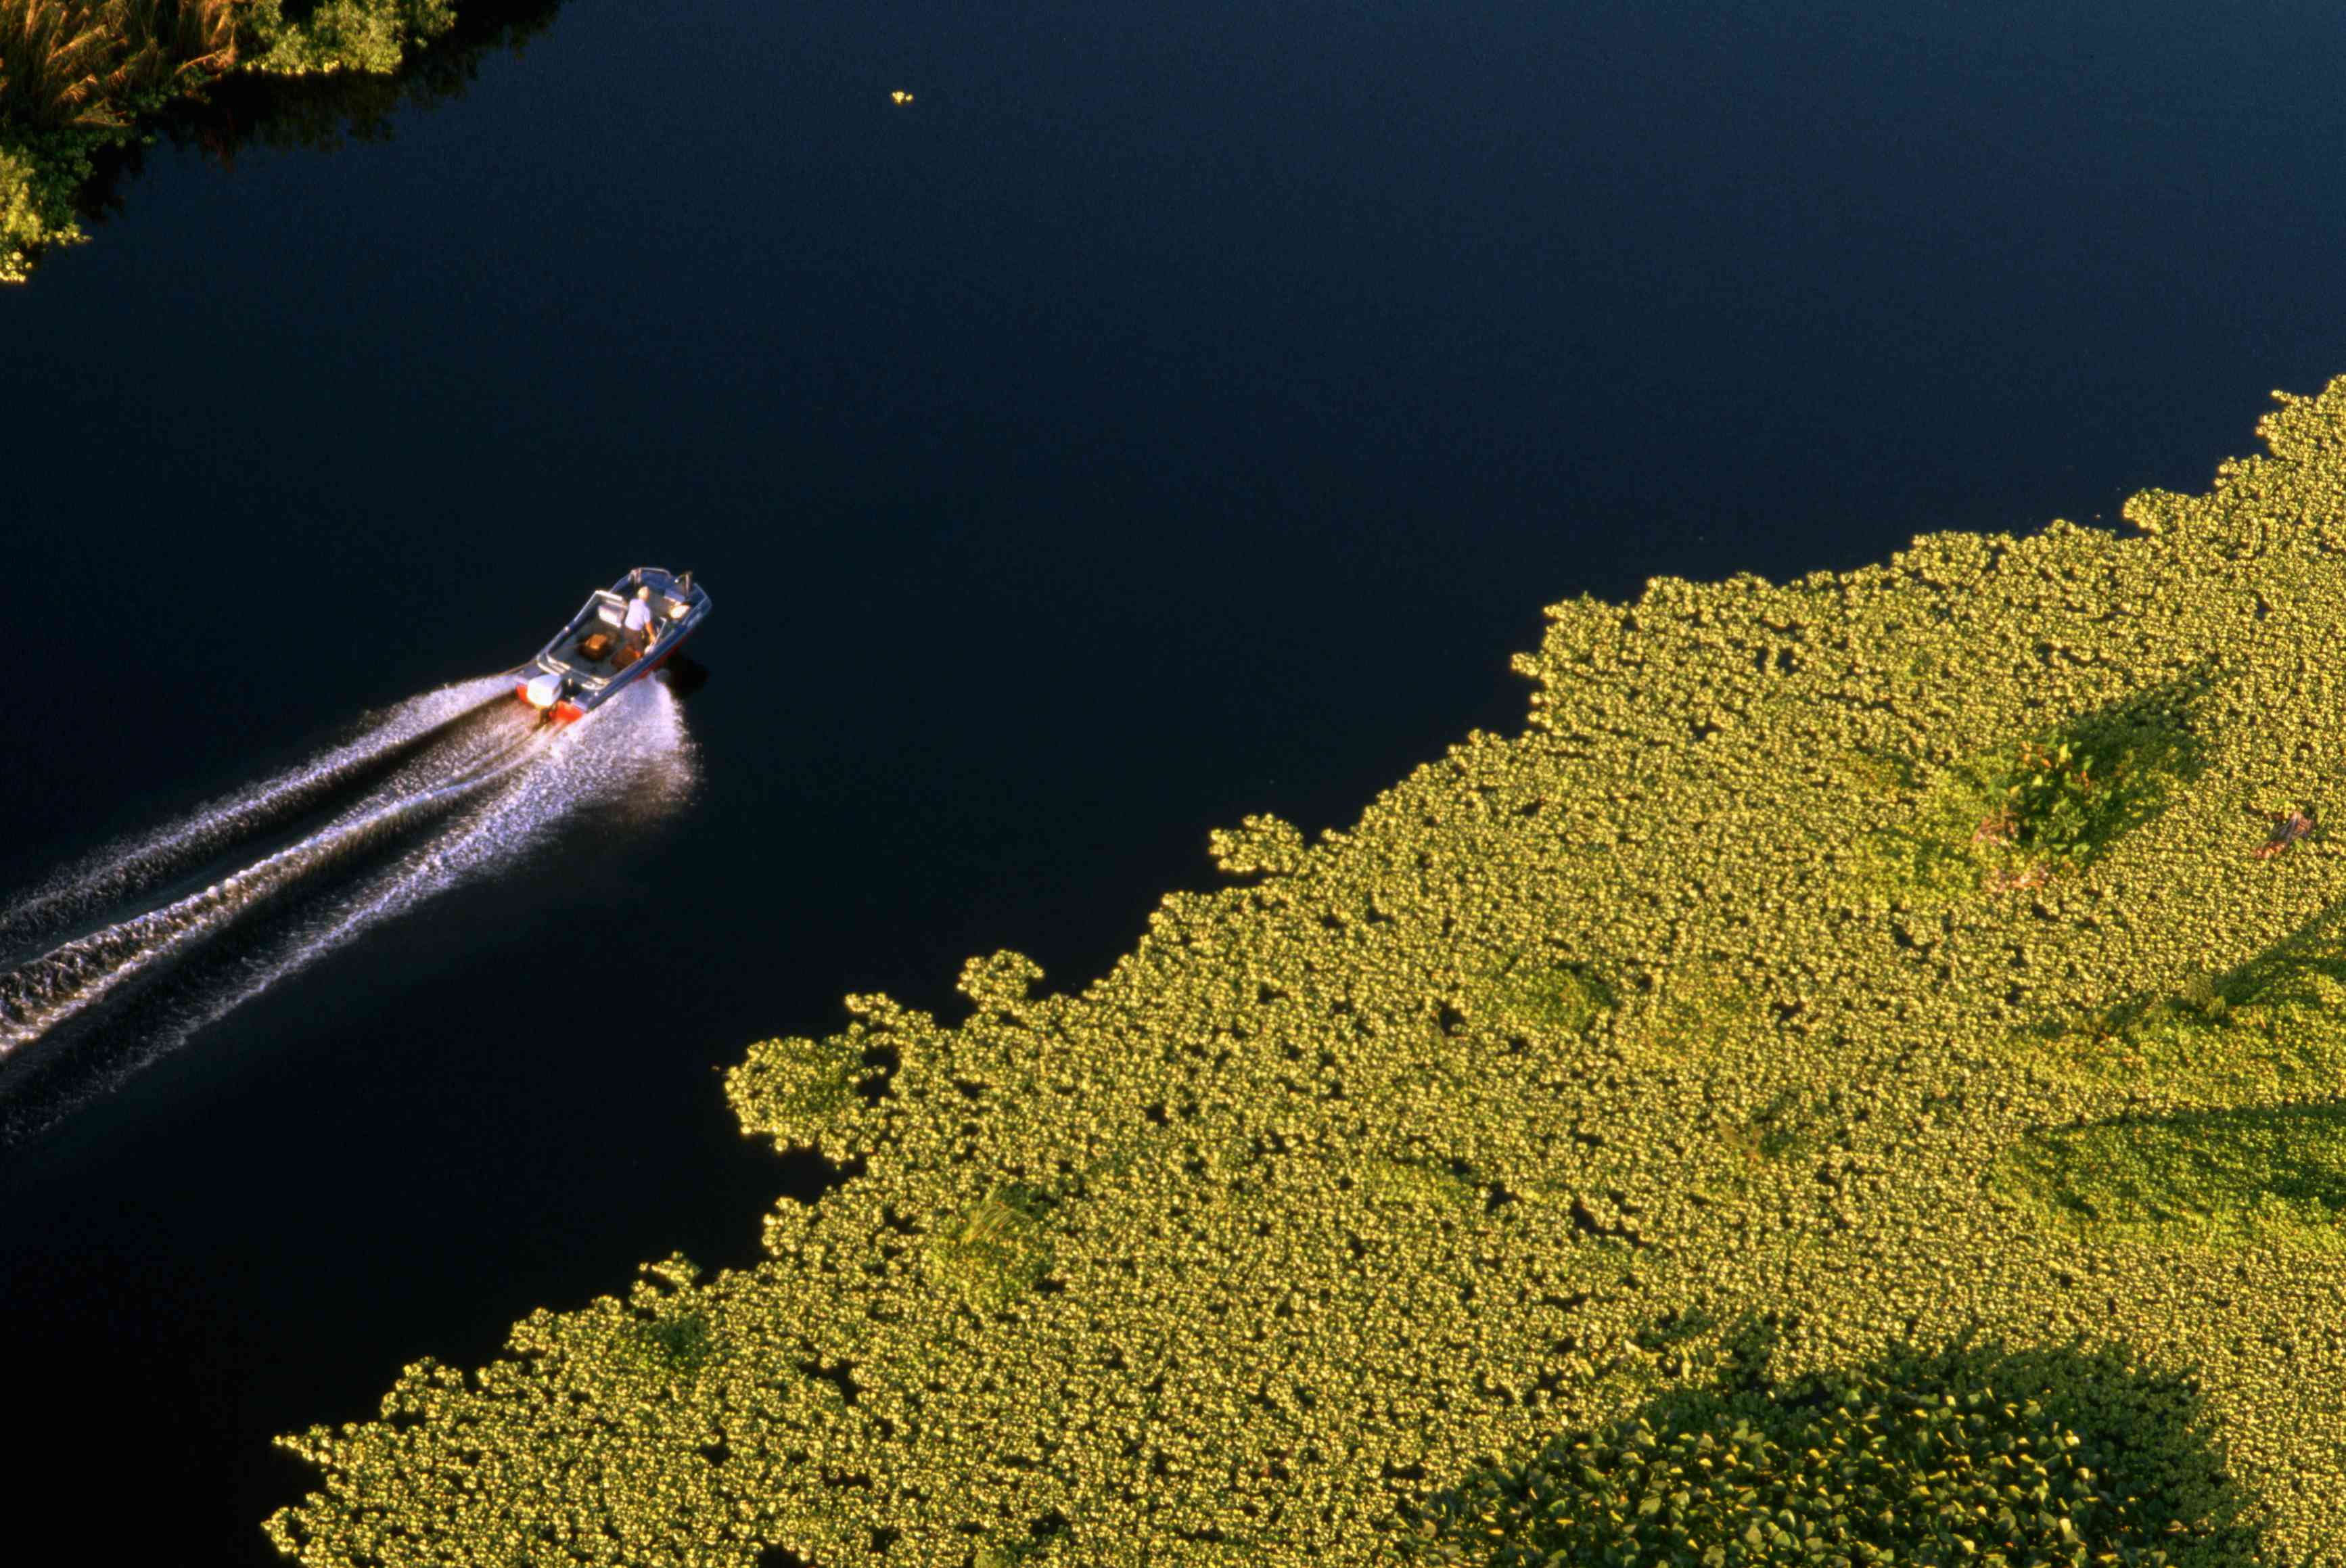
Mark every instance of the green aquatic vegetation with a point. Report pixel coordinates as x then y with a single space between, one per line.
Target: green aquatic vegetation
996 1250
803 1091
2226 1177
678 1342
1261 844
2016 816
372 37
24 221
1786 1126
1564 998
1409 1184
2071 795
2271 1028
1965 1456
1472 1122
74 74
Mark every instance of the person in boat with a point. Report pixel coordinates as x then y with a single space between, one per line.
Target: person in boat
642 625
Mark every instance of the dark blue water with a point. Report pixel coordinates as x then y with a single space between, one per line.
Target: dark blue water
1169 414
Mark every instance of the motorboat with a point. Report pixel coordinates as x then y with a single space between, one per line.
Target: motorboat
595 657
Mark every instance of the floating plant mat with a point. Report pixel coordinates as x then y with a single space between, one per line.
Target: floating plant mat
1912 968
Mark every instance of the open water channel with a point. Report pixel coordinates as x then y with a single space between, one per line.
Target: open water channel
1169 413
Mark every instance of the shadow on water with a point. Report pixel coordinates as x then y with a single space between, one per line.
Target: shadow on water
2144 746
2064 794
2300 970
318 113
2259 1045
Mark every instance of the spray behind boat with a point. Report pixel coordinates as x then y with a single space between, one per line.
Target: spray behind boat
118 958
153 937
619 635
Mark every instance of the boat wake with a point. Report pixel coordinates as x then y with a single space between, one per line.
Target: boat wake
121 870
448 787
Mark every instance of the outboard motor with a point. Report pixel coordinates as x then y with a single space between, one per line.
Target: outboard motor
543 691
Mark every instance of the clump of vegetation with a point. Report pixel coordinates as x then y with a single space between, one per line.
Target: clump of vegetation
1953 1459
678 1342
77 77
1566 998
806 1091
2244 1174
2271 1028
1349 1180
2018 816
1411 1183
74 74
1786 1126
92 64
1261 844
2069 797
995 1250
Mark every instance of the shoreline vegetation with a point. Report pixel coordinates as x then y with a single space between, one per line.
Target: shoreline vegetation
86 84
1856 1080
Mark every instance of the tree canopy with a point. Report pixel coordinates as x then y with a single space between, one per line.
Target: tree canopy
77 77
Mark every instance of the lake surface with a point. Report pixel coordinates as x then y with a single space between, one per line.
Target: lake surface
1166 416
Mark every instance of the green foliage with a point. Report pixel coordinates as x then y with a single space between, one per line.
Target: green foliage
78 77
2271 1028
677 1343
372 37
28 223
1958 1459
92 64
74 74
1786 1127
1408 1183
2069 797
2015 816
1345 1179
801 1093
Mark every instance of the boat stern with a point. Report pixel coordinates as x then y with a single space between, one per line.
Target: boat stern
545 692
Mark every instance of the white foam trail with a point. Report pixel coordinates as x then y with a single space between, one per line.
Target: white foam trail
36 996
633 751
128 865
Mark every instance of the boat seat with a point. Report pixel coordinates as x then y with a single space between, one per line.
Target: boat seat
609 613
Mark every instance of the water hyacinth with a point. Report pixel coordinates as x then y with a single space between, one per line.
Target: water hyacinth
1958 1458
1486 1125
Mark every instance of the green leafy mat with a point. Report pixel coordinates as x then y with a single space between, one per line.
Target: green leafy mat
1889 957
